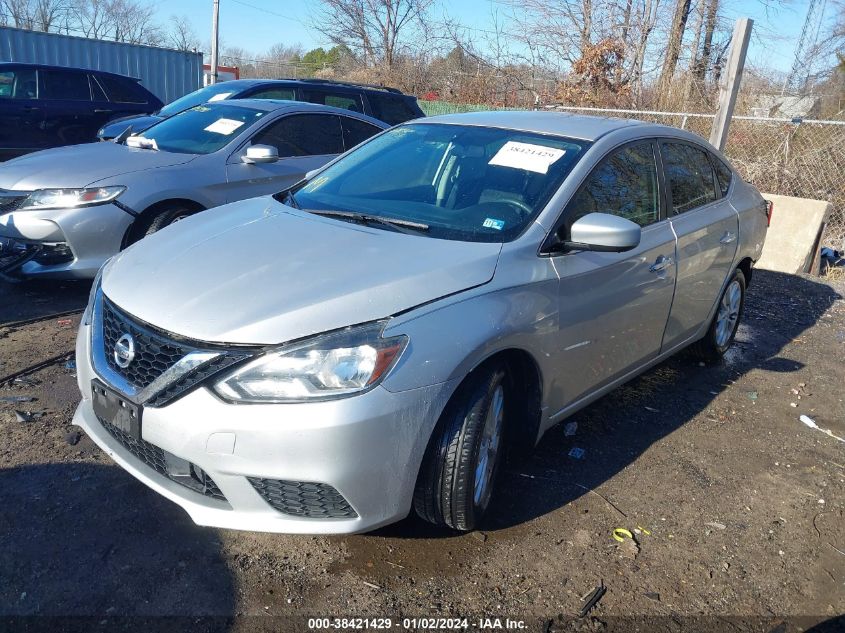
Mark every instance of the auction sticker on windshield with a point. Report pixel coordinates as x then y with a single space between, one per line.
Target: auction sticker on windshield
220 97
224 126
536 158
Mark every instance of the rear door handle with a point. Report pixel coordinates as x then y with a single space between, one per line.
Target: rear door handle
103 111
727 238
662 263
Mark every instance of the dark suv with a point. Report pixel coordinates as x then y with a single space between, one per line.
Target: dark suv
386 104
48 106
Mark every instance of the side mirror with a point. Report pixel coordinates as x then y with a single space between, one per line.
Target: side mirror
603 232
256 154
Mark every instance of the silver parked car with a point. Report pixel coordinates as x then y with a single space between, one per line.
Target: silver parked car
64 211
374 339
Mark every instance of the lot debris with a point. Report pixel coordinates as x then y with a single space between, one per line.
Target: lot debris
714 524
653 595
479 536
812 424
592 599
620 534
64 322
26 416
570 429
577 453
601 496
16 399
371 585
73 438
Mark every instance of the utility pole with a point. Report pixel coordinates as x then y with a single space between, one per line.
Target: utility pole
729 84
215 42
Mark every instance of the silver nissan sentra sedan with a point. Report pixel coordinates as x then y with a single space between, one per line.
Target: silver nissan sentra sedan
374 339
64 211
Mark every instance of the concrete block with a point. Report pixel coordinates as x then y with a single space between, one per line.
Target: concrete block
793 237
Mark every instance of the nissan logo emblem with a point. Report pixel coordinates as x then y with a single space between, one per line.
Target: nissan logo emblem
124 351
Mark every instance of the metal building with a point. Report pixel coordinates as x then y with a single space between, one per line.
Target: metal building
165 72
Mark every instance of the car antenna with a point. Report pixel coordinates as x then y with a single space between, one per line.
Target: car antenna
121 138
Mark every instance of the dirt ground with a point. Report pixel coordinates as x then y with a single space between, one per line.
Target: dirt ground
736 506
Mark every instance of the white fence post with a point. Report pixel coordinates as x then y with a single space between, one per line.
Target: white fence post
730 82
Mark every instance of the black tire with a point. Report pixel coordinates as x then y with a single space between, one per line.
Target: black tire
716 342
445 493
159 219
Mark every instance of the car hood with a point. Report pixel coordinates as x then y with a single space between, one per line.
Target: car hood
80 165
258 272
139 123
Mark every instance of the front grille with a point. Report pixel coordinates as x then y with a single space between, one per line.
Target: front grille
157 351
156 458
303 499
154 353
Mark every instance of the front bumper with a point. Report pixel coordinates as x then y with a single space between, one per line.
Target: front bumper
90 234
368 448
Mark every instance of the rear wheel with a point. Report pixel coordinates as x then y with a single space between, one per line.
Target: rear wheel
725 322
459 469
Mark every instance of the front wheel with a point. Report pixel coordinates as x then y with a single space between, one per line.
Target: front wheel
459 469
725 322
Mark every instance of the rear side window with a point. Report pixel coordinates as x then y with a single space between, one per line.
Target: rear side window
64 85
303 135
724 175
344 100
356 131
272 93
624 184
122 90
391 109
18 84
690 176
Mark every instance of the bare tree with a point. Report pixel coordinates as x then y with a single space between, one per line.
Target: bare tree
35 15
373 28
673 48
181 35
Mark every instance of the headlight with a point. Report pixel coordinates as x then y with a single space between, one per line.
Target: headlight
70 198
89 308
324 367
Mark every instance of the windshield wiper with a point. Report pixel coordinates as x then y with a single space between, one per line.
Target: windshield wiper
290 200
403 226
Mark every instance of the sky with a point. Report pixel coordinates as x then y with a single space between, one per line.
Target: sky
255 25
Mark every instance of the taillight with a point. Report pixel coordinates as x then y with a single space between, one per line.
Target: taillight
770 209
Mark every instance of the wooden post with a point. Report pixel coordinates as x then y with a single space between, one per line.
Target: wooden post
729 86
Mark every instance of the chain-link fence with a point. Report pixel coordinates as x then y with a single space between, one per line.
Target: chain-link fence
805 159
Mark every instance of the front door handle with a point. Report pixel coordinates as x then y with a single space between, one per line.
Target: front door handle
662 263
101 111
727 238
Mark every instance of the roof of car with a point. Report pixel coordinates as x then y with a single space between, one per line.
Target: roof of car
586 128
313 83
274 105
49 67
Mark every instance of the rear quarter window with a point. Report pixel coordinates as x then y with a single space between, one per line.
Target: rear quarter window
724 175
690 176
391 109
122 90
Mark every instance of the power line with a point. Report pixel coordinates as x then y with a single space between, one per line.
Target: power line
263 10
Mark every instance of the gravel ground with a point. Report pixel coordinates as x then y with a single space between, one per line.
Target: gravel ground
736 506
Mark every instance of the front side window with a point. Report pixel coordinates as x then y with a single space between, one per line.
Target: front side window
624 184
18 84
690 176
203 129
465 183
303 135
62 85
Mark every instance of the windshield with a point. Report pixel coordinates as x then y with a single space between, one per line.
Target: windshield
202 129
214 92
465 183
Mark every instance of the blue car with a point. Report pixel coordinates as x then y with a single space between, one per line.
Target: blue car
382 103
49 106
